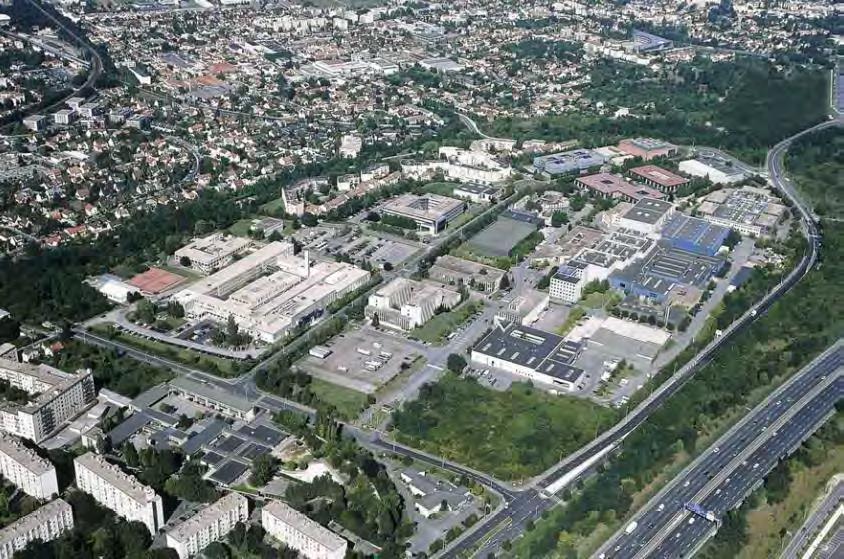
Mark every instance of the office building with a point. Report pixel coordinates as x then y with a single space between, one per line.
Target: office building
212 252
572 161
45 524
270 291
431 212
606 185
647 216
210 524
695 235
568 281
57 397
299 532
647 148
25 469
118 491
208 395
534 354
452 270
36 123
64 116
659 178
476 192
405 304
717 170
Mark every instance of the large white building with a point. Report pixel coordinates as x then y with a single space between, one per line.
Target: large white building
45 524
57 398
118 491
405 304
431 212
214 251
296 530
719 171
208 525
270 291
25 469
461 165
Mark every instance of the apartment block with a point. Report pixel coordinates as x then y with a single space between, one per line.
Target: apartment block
57 398
405 304
118 491
23 467
45 524
212 252
296 530
209 525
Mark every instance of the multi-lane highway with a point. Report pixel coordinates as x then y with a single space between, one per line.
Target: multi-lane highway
814 535
720 477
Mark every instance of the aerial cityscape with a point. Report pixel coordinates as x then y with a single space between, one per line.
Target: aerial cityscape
340 279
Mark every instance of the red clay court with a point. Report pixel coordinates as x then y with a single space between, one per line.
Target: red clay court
156 280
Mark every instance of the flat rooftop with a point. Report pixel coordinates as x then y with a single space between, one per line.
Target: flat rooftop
430 207
609 184
659 175
648 210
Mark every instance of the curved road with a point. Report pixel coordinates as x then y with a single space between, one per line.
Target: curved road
529 504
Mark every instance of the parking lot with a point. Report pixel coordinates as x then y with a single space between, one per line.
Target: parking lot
359 360
376 250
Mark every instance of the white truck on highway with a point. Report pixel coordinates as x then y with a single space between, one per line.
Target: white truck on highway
631 527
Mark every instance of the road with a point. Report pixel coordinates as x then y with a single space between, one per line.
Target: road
727 467
486 537
813 529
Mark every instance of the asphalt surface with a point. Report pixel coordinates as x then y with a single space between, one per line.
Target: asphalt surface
721 477
813 525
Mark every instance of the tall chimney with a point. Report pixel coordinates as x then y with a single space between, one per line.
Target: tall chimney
307 263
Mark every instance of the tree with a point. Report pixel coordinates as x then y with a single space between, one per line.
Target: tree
505 282
184 261
375 321
130 455
263 469
387 267
9 330
559 218
577 203
145 311
216 550
455 363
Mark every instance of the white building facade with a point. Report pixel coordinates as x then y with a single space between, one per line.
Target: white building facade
299 532
45 524
23 467
118 491
209 525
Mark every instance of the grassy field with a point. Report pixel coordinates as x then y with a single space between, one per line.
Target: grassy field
209 363
349 403
436 330
511 434
441 188
273 207
241 227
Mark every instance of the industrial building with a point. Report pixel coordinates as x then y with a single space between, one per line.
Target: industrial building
25 469
47 523
476 192
647 148
452 270
659 178
748 211
210 524
695 235
212 252
648 42
606 185
270 291
431 212
119 491
654 276
647 216
568 281
716 169
57 398
405 304
572 161
299 532
531 353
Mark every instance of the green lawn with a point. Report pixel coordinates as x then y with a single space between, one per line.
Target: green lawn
349 403
215 365
441 188
440 326
273 207
512 434
241 227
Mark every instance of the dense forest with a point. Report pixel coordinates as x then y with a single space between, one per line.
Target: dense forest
816 161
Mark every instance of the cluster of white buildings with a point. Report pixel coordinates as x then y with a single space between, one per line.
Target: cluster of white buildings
405 304
210 524
271 291
461 165
56 398
118 491
24 468
212 252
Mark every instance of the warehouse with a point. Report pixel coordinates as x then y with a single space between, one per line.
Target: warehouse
695 235
530 353
717 170
646 217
